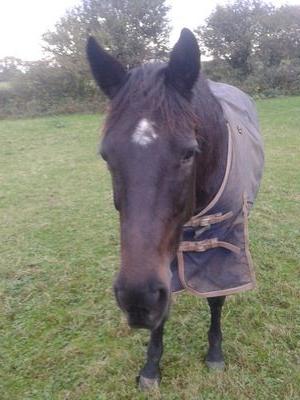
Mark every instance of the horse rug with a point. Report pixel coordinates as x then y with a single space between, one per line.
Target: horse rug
213 258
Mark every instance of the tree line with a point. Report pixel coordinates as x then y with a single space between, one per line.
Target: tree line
249 43
255 46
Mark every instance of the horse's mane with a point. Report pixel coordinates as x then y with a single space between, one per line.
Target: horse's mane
145 91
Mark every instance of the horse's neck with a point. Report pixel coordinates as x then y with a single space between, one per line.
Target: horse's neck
211 165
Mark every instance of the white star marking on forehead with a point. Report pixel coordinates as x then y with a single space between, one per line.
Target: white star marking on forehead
144 133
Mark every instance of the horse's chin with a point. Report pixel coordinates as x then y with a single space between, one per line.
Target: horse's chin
135 325
149 323
144 325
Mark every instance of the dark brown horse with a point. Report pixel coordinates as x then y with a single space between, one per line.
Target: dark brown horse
165 143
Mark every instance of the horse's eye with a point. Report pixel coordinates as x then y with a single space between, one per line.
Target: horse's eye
188 155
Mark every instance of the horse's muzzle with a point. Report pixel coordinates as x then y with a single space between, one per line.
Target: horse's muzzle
145 306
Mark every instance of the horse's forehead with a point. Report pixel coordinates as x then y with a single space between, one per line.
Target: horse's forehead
144 133
136 139
132 132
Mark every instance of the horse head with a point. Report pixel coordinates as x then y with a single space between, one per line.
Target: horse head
150 147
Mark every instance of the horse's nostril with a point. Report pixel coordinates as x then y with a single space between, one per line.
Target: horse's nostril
163 294
119 295
155 296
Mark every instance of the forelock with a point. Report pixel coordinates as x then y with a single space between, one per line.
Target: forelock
145 93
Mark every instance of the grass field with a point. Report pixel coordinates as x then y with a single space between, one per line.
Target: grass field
4 85
61 334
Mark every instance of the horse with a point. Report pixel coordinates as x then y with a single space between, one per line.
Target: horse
170 145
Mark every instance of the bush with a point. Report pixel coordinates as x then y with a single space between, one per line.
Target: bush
46 89
283 79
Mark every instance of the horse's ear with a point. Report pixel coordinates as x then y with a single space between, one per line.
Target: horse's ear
107 71
184 64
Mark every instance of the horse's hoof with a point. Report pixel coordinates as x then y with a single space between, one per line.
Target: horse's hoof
146 384
215 365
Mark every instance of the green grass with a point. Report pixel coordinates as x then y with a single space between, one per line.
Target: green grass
5 85
61 334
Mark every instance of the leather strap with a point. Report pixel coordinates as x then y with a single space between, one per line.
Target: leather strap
204 245
198 221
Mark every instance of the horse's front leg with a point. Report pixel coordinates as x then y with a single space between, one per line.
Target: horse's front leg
214 358
150 374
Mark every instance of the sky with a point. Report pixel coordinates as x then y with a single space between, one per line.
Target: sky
22 22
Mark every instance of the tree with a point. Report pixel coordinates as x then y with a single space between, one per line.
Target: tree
231 32
10 67
254 45
280 39
66 46
133 31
